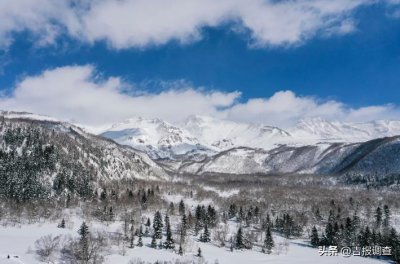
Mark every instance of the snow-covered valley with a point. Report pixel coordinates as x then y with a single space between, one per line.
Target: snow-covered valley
163 192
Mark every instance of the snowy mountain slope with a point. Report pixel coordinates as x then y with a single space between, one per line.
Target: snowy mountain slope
379 157
154 136
208 135
224 134
50 153
334 131
196 136
204 145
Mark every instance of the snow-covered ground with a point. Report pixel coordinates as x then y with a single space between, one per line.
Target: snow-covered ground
18 243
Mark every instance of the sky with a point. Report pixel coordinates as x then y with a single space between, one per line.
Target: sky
97 62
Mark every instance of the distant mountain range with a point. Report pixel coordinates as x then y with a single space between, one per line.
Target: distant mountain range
204 146
209 135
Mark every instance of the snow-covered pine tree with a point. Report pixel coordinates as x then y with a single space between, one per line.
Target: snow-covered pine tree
180 251
171 209
169 241
132 237
166 221
184 226
143 200
232 211
314 237
329 234
153 243
157 225
111 214
386 220
239 239
140 239
205 237
84 242
62 224
378 217
181 207
241 214
268 241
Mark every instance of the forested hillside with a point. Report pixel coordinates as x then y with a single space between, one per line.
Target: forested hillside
42 158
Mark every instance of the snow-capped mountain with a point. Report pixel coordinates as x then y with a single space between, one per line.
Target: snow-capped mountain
154 136
203 145
224 134
208 135
196 136
322 130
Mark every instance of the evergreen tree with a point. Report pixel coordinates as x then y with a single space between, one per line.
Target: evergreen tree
211 217
111 214
314 237
83 231
184 225
62 224
132 237
169 241
166 221
180 251
232 211
268 242
143 201
378 217
206 235
84 241
348 232
239 239
366 239
386 220
181 207
257 213
157 225
329 234
190 220
241 214
153 243
140 239
171 209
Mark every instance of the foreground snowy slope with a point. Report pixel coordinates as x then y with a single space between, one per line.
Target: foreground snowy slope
18 242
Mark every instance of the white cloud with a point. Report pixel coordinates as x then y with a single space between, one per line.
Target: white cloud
77 93
44 19
139 23
285 108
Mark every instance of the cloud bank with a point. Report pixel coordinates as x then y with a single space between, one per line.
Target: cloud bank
141 23
78 94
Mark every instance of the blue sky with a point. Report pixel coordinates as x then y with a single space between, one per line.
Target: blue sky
346 62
